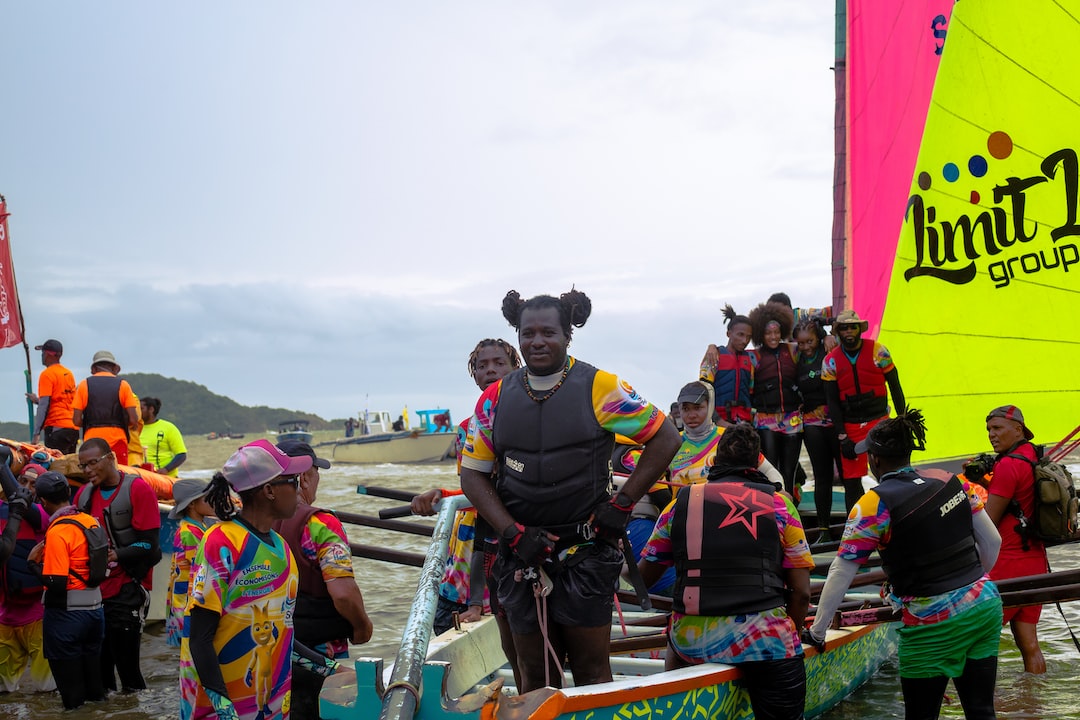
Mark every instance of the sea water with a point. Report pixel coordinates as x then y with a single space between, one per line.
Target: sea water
388 591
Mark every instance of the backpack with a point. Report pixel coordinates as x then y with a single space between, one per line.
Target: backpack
97 544
1056 503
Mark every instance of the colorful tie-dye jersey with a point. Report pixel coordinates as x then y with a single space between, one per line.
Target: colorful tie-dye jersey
324 541
185 542
455 582
617 406
694 458
252 585
768 635
869 527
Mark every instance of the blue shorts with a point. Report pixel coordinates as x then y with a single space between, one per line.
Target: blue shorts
72 634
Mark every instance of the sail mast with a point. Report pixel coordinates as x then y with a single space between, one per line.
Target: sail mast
839 224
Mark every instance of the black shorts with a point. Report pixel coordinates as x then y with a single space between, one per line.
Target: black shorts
72 634
581 595
63 439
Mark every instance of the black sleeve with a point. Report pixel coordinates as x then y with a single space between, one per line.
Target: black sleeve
204 625
143 552
55 590
832 398
893 379
7 540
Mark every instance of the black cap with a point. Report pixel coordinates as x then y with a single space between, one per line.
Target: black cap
52 485
53 346
694 392
299 448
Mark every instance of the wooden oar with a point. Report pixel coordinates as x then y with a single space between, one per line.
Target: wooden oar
651 641
399 557
369 521
398 511
388 493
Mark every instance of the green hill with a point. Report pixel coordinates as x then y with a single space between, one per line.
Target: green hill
196 410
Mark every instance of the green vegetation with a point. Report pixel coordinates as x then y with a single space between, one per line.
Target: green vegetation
197 411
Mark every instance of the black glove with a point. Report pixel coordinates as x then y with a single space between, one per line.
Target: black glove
5 454
610 518
808 639
847 448
20 502
531 545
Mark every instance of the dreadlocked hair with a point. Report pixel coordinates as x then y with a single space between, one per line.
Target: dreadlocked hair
731 318
768 312
812 324
574 308
220 497
898 436
740 445
511 353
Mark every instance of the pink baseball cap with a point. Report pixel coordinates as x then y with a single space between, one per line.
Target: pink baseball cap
259 462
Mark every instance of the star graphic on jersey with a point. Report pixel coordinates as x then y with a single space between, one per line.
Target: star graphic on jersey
746 506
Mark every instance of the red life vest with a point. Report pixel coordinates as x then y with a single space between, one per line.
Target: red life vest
863 392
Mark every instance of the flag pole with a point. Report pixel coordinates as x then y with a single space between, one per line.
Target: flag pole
22 322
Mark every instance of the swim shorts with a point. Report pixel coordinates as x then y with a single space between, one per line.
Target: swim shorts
942 649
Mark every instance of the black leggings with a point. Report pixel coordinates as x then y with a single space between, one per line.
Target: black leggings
824 451
777 688
783 452
123 637
975 688
78 680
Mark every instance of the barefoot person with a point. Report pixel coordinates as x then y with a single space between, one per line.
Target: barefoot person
551 427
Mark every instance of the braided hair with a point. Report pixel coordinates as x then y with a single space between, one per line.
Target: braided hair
897 437
766 313
731 318
739 446
219 496
574 308
511 353
812 324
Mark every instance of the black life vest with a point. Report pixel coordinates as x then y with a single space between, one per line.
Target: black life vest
554 457
116 519
932 546
728 553
774 381
315 620
808 380
103 408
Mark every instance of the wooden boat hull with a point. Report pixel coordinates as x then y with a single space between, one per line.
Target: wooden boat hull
403 447
703 691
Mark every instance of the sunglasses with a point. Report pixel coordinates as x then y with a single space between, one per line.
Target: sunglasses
92 463
293 480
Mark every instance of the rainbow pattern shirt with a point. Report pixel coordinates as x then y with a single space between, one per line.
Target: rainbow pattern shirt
694 458
869 527
185 542
252 585
455 582
768 635
617 406
323 540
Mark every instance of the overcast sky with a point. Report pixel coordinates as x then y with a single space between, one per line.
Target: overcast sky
320 206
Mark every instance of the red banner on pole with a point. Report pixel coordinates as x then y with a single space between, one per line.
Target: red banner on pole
10 318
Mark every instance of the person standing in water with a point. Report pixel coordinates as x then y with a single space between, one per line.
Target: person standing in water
551 428
191 509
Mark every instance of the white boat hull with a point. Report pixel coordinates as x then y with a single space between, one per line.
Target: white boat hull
395 448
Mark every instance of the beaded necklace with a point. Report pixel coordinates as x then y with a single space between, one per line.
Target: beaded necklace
549 393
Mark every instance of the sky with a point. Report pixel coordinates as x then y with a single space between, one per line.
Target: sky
320 206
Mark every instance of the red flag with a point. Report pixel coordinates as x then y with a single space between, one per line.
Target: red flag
10 316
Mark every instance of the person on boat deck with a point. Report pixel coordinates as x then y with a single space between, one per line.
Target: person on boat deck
56 390
937 546
721 613
775 397
22 526
1014 481
192 510
163 445
822 447
237 651
329 605
105 407
127 507
856 374
730 371
551 426
73 626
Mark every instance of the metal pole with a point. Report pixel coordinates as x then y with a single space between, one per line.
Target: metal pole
403 693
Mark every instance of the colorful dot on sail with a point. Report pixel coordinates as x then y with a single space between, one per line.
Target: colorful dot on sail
924 181
977 165
1000 145
975 197
951 172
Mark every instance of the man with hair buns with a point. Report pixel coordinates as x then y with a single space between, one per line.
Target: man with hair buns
329 605
105 407
859 376
56 391
936 546
1012 488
